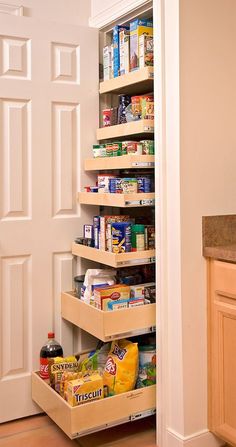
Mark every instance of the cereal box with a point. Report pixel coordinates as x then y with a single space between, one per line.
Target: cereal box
116 46
124 52
137 28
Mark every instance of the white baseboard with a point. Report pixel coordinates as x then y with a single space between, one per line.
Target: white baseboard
199 439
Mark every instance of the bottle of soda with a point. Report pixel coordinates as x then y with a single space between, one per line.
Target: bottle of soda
50 349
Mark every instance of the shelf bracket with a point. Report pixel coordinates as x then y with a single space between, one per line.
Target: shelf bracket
145 202
143 164
150 260
142 331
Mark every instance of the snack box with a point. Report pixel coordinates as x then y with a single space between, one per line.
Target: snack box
116 48
124 52
145 51
84 390
103 182
96 230
117 304
111 293
88 231
137 28
149 237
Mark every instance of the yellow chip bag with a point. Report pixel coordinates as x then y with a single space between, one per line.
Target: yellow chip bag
121 369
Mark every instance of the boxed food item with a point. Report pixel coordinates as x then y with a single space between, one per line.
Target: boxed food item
106 117
135 302
85 389
103 182
129 185
145 291
117 304
102 296
57 366
137 28
148 107
121 237
88 231
107 62
149 237
116 48
145 51
105 230
124 52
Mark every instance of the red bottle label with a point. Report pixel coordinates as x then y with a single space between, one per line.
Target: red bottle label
43 372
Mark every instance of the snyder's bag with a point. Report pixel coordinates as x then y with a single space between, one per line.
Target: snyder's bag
121 369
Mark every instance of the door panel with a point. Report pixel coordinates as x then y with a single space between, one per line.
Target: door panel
48 117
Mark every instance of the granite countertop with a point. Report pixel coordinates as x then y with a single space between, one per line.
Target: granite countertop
219 237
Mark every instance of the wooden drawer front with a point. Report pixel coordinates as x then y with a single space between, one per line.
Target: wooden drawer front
78 421
108 325
223 372
223 277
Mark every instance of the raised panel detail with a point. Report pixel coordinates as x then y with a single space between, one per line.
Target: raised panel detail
65 141
15 153
65 63
15 57
15 315
64 266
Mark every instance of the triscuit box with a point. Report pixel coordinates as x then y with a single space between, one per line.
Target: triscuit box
137 28
84 390
111 293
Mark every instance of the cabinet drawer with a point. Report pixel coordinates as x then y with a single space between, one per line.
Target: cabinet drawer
108 325
224 278
93 416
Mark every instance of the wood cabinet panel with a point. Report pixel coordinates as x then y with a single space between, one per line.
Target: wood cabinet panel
222 350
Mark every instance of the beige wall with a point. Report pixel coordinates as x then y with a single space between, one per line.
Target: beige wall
77 11
207 171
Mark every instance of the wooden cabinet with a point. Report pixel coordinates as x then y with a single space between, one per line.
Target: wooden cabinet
222 349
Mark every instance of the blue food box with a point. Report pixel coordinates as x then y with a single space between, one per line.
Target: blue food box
116 48
96 230
121 237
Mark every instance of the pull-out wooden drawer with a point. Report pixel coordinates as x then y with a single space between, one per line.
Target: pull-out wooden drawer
223 278
108 325
93 416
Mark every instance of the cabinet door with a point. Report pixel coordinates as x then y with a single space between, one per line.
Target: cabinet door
48 108
222 350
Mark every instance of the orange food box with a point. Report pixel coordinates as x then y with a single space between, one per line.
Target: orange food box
110 293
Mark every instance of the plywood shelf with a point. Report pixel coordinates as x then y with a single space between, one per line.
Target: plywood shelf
138 128
117 200
135 82
113 259
122 162
110 325
77 421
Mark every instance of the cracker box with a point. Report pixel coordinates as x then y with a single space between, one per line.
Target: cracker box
110 293
116 48
117 304
124 52
137 28
84 390
145 51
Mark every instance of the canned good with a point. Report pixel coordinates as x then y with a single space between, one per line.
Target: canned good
99 150
117 149
136 106
109 150
148 147
134 147
147 366
106 117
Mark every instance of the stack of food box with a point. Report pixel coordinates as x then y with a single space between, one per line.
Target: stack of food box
131 49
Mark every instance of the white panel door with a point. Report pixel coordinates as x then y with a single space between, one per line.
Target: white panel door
48 117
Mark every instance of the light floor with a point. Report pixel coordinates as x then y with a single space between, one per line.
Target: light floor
40 431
